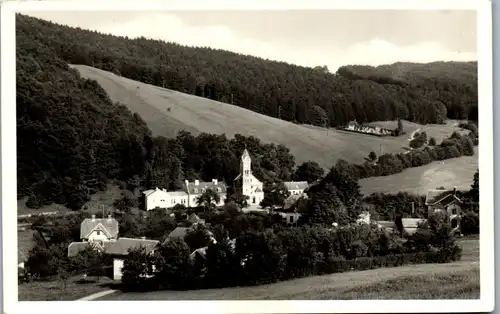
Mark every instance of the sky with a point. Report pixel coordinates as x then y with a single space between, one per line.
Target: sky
308 38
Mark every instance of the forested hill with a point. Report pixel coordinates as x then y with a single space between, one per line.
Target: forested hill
425 93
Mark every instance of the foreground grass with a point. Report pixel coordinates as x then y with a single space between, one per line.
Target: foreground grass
54 290
167 112
430 281
458 280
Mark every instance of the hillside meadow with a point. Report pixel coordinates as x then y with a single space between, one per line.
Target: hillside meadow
167 112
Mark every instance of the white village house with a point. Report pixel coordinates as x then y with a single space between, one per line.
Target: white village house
102 235
161 198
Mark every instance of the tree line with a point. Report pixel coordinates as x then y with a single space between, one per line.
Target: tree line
425 93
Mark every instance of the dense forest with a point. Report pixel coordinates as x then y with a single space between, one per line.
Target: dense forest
425 93
72 139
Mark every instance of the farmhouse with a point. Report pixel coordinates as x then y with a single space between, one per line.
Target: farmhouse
102 235
161 198
354 126
445 201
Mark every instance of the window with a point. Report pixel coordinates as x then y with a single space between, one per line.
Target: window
98 232
163 200
291 219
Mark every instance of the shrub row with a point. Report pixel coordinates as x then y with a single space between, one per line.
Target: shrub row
455 146
336 265
262 257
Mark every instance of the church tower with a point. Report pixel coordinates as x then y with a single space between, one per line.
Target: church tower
246 172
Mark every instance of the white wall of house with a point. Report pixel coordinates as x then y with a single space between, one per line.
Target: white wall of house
290 218
158 198
98 235
296 192
453 209
177 199
117 268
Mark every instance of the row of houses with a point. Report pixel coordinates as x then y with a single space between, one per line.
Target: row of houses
353 126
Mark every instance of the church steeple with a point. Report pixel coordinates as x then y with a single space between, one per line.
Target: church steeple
246 164
245 154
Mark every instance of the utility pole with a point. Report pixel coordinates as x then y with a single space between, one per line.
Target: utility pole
279 112
231 98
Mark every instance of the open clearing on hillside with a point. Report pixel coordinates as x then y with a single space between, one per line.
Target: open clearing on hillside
456 172
167 112
458 280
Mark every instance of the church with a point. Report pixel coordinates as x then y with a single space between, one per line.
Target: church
248 184
252 187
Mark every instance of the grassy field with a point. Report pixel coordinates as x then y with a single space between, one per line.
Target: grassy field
54 290
168 112
458 280
457 172
104 198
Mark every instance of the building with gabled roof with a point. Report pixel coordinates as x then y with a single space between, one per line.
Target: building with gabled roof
296 187
444 201
103 229
102 235
188 196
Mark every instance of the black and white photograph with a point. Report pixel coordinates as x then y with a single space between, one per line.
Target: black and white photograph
223 153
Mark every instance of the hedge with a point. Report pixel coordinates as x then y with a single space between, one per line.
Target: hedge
339 265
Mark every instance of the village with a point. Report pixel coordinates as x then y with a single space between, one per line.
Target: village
102 234
152 167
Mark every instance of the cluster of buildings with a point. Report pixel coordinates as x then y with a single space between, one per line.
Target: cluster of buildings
246 182
353 126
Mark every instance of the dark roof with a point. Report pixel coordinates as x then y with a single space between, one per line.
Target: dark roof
123 245
179 232
21 257
440 197
119 247
193 189
291 201
108 224
194 218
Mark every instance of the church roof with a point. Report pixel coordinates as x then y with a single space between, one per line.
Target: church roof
245 154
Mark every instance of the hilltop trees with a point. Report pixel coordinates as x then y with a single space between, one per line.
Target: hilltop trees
425 93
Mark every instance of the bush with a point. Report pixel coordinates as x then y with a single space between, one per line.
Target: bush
469 224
